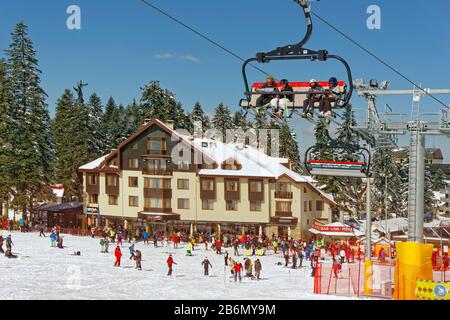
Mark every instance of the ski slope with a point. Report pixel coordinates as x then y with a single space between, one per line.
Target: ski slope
42 272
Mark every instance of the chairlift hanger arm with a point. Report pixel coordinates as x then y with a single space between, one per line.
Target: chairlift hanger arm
293 49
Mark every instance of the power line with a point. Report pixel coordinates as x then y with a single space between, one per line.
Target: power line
202 35
377 58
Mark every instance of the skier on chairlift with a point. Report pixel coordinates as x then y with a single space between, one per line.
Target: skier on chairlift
334 95
269 86
280 102
316 95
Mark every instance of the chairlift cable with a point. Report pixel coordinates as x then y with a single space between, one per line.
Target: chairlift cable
198 33
378 58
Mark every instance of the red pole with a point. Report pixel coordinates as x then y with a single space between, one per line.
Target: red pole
349 282
329 281
359 275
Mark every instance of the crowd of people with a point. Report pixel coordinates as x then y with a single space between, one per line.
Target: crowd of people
280 96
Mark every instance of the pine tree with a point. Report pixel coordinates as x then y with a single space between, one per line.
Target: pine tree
387 182
198 115
64 130
95 141
222 119
438 178
31 141
289 148
239 121
6 126
109 125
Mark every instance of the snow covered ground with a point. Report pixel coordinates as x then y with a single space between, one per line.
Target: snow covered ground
42 272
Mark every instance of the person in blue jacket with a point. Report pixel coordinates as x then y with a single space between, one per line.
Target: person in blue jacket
307 252
145 236
22 224
132 251
53 238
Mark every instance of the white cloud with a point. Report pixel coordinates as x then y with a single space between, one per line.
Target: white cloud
181 57
190 57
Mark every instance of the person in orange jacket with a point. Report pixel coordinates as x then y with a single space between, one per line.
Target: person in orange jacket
170 262
118 255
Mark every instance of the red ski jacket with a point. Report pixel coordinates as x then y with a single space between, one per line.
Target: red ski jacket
118 253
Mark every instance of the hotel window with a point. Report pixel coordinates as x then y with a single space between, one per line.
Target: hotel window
183 184
112 180
133 163
255 205
208 185
231 166
93 198
283 187
156 164
156 144
157 183
157 203
133 201
309 205
232 205
232 185
113 200
207 204
283 206
183 203
255 186
183 166
305 206
305 190
319 205
133 182
92 179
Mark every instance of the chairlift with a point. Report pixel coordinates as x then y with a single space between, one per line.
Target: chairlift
300 89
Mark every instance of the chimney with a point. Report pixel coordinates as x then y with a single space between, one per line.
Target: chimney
169 123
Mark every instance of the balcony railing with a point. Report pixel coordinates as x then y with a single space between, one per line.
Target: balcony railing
283 194
157 171
283 213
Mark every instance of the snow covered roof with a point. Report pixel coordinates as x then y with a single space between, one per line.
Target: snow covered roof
93 164
394 224
253 163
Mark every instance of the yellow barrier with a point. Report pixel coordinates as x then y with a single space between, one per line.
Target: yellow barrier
431 290
413 262
368 274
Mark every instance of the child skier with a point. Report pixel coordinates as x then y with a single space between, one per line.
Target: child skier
170 263
118 255
258 268
53 239
132 251
138 259
206 264
102 245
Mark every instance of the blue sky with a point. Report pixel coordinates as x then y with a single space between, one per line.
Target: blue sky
123 44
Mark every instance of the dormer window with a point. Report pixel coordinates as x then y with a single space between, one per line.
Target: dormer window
156 144
204 144
231 164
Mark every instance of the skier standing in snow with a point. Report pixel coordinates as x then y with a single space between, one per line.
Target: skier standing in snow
53 239
155 240
226 258
132 251
138 259
41 229
118 255
170 263
237 268
236 247
206 264
102 245
258 268
9 243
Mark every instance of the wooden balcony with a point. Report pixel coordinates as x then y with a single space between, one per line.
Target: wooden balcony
157 171
283 194
283 213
